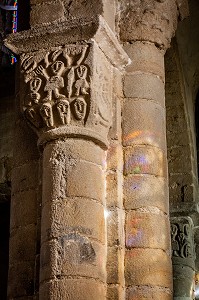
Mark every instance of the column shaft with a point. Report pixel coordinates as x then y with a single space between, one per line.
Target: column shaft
73 249
148 271
24 215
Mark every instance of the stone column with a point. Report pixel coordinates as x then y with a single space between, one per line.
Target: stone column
146 29
66 97
183 257
24 212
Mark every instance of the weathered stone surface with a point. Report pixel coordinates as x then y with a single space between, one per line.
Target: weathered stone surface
75 150
142 190
114 292
114 157
146 58
70 178
144 160
75 288
147 292
46 12
113 265
24 206
157 273
144 86
72 255
114 190
115 220
142 231
184 282
151 21
25 177
23 243
71 215
21 279
25 144
141 126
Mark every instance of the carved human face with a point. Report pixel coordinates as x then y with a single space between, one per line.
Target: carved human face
35 84
82 71
63 107
57 67
46 111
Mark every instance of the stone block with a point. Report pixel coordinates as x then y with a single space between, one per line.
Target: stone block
78 289
115 157
184 284
181 188
73 215
112 265
144 86
115 219
23 208
65 177
114 190
46 12
143 123
115 132
146 58
142 190
147 292
109 8
73 255
25 177
73 150
145 160
179 160
115 264
151 267
21 279
82 10
142 230
114 292
24 143
23 244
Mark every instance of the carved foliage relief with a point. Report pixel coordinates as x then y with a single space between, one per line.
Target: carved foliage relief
56 87
182 239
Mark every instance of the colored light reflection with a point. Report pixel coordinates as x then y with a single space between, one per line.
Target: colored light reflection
138 164
135 234
142 137
14 19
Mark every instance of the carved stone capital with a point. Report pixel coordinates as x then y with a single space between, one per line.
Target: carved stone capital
66 90
151 20
182 239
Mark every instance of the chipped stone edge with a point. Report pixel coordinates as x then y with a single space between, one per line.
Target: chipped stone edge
65 33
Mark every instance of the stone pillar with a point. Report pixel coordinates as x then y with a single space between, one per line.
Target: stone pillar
146 36
183 257
24 212
66 97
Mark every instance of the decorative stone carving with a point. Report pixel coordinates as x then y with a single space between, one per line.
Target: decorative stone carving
68 89
74 80
149 20
52 84
182 238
